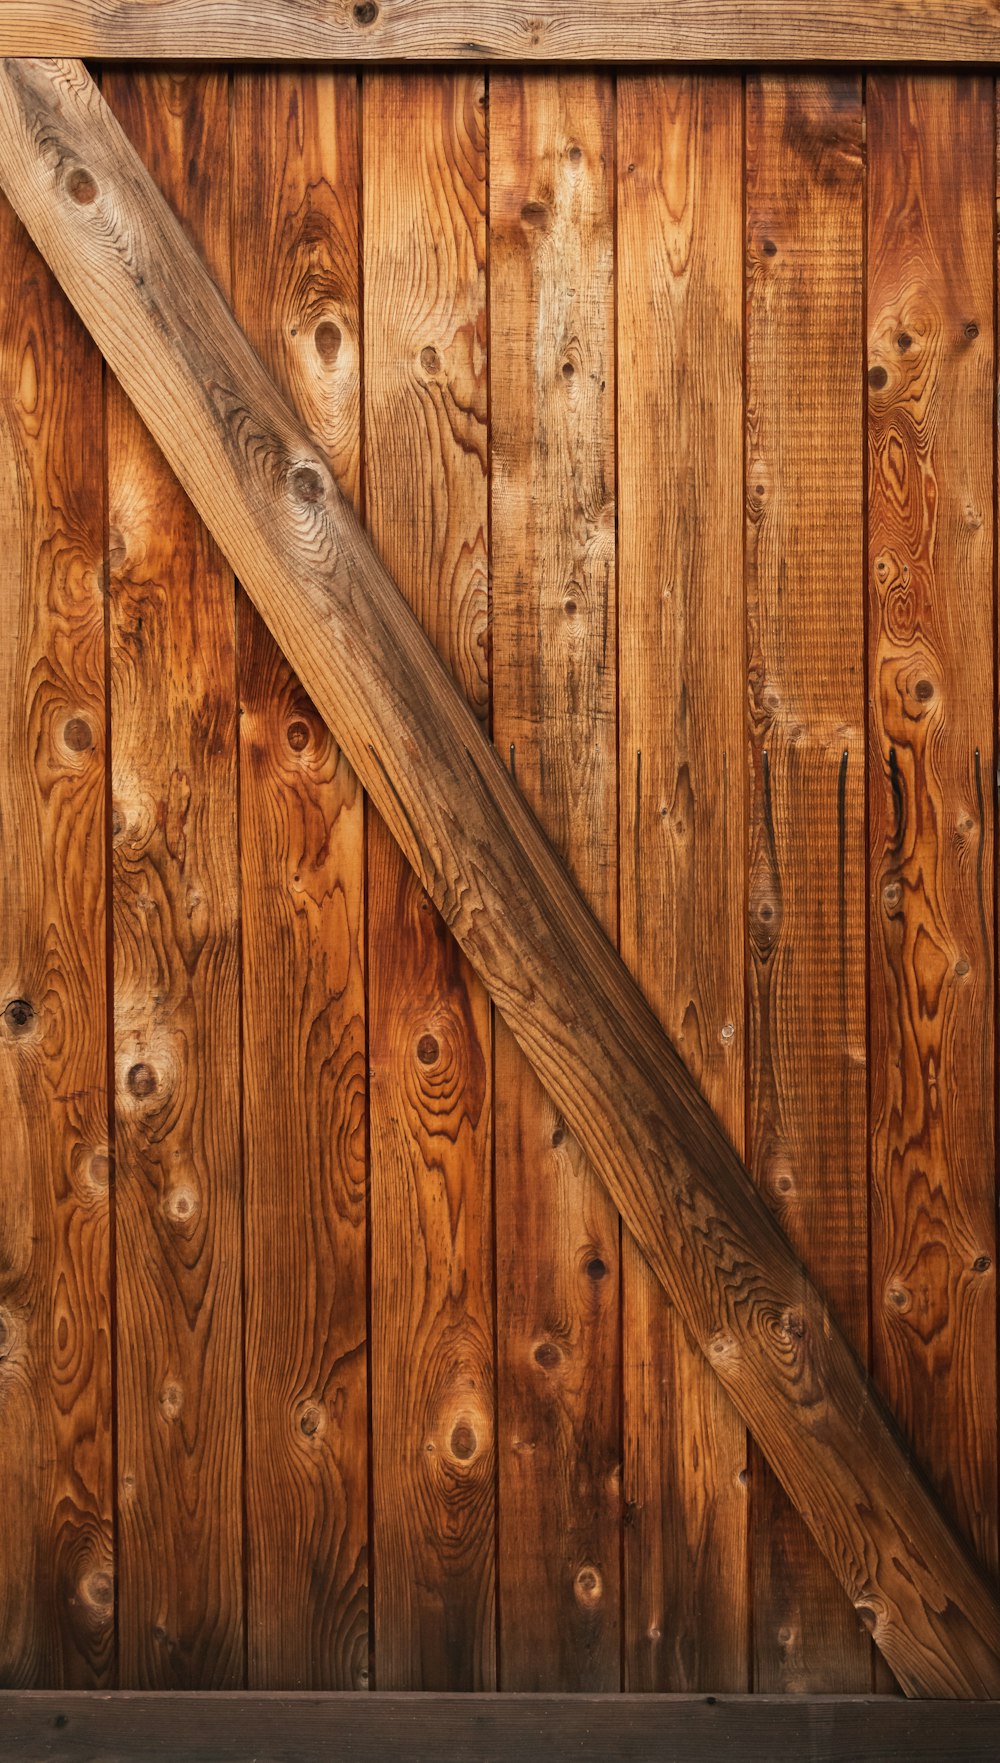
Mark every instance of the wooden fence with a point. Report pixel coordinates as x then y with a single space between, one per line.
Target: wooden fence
668 399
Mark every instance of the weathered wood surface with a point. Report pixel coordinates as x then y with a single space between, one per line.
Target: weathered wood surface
682 793
56 1561
493 1728
552 431
450 802
296 289
931 427
430 1055
807 1140
504 30
172 657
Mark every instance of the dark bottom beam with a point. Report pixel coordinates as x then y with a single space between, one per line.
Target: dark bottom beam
77 1727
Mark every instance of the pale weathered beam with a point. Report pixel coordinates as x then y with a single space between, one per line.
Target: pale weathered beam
504 30
294 542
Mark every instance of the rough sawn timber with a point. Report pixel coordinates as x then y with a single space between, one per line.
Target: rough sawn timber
296 545
505 30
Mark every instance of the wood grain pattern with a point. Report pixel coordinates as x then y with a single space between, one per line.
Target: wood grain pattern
296 288
450 802
805 455
554 678
496 1728
429 1038
56 1562
682 760
176 996
467 30
931 599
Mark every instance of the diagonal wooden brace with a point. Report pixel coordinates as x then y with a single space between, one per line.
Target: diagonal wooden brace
681 1188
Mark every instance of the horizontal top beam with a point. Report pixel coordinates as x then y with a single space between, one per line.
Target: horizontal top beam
611 31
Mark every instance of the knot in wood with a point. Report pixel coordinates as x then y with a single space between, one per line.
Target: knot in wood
312 1420
77 735
98 1589
877 378
82 186
307 484
427 1049
535 214
327 338
365 13
463 1441
141 1079
180 1204
430 360
596 1268
298 735
547 1355
19 1018
171 1401
588 1587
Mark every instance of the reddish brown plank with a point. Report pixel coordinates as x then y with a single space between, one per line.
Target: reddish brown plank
682 759
56 1560
931 608
176 995
295 288
430 1048
807 1100
553 620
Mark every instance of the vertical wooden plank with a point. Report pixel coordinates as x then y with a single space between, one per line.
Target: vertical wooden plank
176 995
682 757
931 601
296 292
553 612
807 1100
56 1560
429 1024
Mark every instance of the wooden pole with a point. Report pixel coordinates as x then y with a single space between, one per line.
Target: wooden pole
297 547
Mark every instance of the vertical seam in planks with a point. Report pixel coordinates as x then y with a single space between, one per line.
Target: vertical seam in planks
240 1001
616 496
109 995
365 862
745 755
488 290
994 771
876 1668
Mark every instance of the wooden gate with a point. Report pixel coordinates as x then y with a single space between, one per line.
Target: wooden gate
667 396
